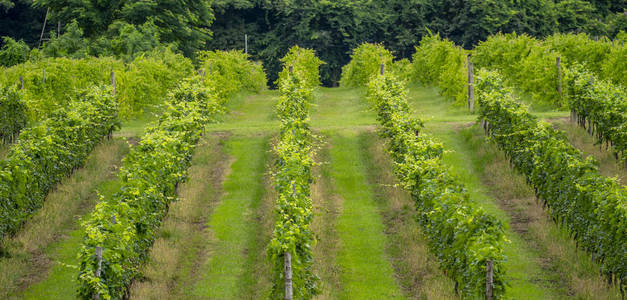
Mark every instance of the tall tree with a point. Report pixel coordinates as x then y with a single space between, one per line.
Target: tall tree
185 23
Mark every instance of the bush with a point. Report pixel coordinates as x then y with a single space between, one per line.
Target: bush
13 53
303 61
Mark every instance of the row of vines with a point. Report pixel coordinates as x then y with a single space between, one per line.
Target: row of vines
597 104
51 83
46 153
464 238
124 226
293 239
121 229
593 207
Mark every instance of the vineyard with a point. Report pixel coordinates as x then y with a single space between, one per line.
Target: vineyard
497 172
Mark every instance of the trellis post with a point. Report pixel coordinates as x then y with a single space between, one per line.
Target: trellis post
471 84
489 282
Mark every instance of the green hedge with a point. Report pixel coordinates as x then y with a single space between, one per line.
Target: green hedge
139 84
365 62
439 62
230 72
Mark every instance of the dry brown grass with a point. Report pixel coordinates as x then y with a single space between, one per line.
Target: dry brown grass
182 238
416 268
62 208
572 270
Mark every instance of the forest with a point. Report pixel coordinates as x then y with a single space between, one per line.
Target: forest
332 28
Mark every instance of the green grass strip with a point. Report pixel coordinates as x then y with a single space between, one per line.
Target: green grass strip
223 277
366 272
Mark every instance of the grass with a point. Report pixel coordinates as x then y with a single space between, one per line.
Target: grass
326 207
231 226
250 115
182 237
366 272
35 251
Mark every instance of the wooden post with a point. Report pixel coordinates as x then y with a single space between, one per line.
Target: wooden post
99 269
559 75
471 85
382 68
21 83
43 76
291 69
43 28
489 280
288 276
113 82
58 28
246 43
210 68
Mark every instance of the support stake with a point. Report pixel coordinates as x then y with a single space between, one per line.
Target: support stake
489 282
471 85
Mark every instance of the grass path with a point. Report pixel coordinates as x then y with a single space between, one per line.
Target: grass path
416 268
182 236
366 272
231 227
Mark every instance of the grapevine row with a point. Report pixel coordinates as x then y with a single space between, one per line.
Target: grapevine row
593 207
532 68
12 114
603 57
601 108
462 236
123 228
46 153
293 238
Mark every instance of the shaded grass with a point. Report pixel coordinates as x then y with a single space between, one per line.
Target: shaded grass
232 227
182 236
366 272
417 269
59 248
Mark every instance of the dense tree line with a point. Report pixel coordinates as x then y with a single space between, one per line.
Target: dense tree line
331 27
